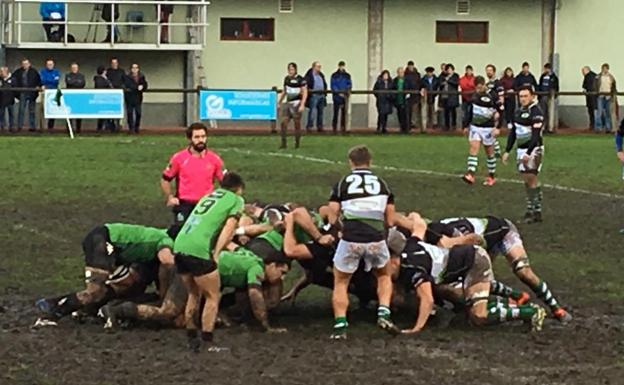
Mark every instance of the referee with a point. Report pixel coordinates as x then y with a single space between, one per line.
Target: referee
194 170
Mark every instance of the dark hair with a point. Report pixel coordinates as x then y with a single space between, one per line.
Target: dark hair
384 72
525 64
479 81
195 127
49 59
492 66
100 70
410 63
429 69
341 63
292 64
114 58
508 69
605 65
547 66
360 155
469 67
446 68
232 181
25 59
72 63
527 88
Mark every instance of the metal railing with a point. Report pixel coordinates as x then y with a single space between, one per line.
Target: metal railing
14 22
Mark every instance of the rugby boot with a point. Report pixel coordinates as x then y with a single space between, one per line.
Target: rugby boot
340 330
389 326
562 315
109 314
537 217
523 299
193 340
490 181
468 178
537 321
528 217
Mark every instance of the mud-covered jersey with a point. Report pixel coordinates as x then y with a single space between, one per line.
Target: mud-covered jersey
293 87
363 198
134 243
482 110
240 268
527 128
202 228
492 229
422 262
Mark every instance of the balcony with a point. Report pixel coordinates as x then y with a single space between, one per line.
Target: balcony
83 24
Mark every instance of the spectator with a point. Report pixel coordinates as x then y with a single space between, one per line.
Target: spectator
75 80
450 102
605 83
53 12
315 80
7 98
166 10
107 16
525 78
548 83
591 101
384 101
115 75
467 85
440 102
340 85
400 100
135 85
412 82
507 82
50 78
100 81
429 82
26 77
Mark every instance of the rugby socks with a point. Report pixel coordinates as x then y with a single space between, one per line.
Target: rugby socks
383 312
65 305
543 292
531 198
497 149
499 313
491 165
500 289
473 162
537 203
340 324
127 310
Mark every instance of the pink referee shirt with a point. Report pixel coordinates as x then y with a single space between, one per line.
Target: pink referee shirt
194 175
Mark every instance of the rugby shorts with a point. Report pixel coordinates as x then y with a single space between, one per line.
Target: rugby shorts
535 160
349 254
484 135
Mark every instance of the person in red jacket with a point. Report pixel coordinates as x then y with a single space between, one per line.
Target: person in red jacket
467 86
507 81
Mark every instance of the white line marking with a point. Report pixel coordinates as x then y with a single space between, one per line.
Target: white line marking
419 171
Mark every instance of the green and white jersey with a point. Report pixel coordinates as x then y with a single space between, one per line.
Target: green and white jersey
136 244
527 128
363 197
203 226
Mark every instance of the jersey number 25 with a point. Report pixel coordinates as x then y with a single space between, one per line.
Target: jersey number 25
358 185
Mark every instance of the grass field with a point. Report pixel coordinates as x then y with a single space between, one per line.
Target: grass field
55 190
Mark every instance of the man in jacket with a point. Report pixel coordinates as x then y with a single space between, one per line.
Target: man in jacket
412 82
400 100
26 77
100 81
75 80
467 85
7 98
115 75
605 84
429 82
525 78
340 85
450 101
50 78
549 82
315 80
591 101
134 85
53 12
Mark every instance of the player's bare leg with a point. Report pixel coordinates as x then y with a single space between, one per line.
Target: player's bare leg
491 166
519 262
191 309
284 131
297 129
384 296
473 161
340 304
209 286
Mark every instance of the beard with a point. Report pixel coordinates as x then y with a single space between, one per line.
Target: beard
199 147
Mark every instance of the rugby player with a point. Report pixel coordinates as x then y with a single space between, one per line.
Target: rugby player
295 93
527 132
207 231
106 248
496 89
367 205
423 266
194 169
480 122
501 236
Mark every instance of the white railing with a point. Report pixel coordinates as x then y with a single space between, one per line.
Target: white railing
20 17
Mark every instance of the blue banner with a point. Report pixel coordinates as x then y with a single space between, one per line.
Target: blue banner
237 105
84 104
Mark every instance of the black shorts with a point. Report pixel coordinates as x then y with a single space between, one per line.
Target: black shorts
96 250
182 211
322 258
187 264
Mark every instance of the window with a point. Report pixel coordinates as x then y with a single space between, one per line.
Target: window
247 29
462 31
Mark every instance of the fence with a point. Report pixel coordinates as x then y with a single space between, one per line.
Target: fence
550 102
